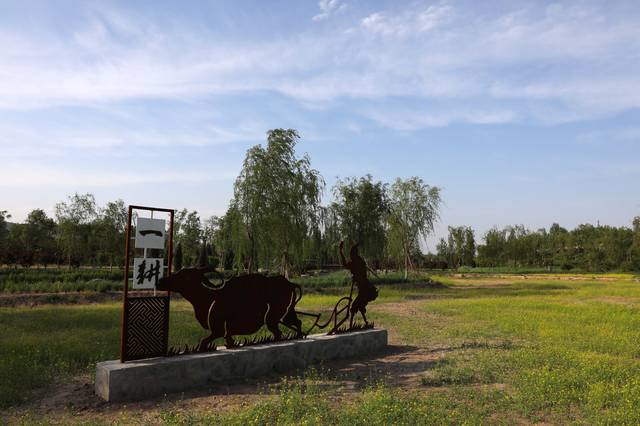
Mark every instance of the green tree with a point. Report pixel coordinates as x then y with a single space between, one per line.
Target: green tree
38 237
17 253
329 227
361 208
460 248
188 231
634 250
445 252
278 198
413 210
110 228
469 247
4 235
177 258
203 258
75 218
493 251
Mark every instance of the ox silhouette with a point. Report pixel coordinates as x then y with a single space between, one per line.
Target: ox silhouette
239 306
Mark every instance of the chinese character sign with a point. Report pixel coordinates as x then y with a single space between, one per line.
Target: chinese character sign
150 233
147 272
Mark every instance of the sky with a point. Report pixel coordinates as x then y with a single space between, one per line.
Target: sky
521 112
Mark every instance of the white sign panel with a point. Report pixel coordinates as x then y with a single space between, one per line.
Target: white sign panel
147 272
150 233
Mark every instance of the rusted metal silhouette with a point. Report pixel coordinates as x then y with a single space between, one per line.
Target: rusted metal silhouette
339 316
366 291
243 304
239 306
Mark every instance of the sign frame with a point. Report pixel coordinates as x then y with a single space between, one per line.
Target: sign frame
162 301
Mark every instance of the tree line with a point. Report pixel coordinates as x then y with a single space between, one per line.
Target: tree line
276 221
587 247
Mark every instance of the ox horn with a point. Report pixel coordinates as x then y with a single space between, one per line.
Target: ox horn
206 281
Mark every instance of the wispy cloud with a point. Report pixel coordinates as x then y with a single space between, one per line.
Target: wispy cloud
581 57
412 119
327 7
411 22
43 176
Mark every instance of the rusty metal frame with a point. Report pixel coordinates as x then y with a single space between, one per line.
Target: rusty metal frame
125 296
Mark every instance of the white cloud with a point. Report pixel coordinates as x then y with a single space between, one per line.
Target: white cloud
43 176
42 140
327 7
413 119
566 62
412 22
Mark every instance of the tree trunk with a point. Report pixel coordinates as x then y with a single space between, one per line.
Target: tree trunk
285 265
406 263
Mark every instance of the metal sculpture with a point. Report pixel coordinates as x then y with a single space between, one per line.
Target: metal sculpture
243 304
366 291
239 306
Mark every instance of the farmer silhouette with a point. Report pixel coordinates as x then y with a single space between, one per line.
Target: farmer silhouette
366 291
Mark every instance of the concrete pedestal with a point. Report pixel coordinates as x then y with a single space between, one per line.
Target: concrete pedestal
137 380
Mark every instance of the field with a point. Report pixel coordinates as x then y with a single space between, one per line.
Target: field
480 349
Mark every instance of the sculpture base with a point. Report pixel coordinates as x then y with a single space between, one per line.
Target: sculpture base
137 380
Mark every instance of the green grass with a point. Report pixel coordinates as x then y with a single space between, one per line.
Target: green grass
309 403
535 270
515 351
41 280
566 352
40 343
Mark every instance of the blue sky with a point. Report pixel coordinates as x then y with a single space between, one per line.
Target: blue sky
522 112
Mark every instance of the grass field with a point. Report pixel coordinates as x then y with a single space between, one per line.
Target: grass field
481 350
53 280
58 280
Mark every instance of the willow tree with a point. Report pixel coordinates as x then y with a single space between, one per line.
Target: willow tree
361 208
278 197
413 211
4 233
74 226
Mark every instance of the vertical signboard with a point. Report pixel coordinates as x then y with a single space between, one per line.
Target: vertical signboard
147 272
150 233
145 315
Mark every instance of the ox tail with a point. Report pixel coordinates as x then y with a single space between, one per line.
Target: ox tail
298 290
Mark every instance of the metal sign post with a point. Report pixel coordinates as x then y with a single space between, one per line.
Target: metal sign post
145 319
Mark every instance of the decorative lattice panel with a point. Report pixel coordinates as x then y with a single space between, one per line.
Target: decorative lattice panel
146 327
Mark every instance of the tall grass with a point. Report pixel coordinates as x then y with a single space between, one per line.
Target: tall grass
65 280
37 280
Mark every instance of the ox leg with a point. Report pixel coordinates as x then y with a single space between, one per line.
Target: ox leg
229 342
273 328
204 343
272 319
228 338
291 320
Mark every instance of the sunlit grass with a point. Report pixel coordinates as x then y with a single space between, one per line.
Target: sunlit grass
512 350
